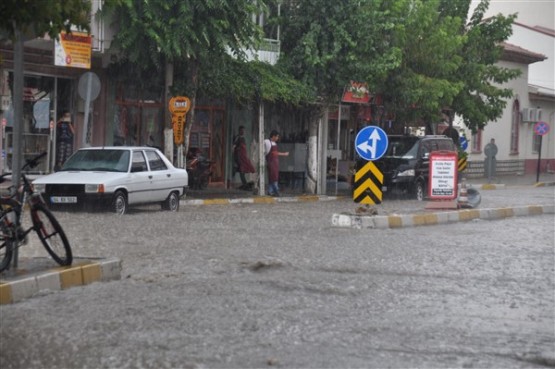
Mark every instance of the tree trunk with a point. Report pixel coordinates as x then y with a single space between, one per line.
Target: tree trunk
193 82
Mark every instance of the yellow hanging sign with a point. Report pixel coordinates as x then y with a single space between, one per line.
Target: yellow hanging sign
179 106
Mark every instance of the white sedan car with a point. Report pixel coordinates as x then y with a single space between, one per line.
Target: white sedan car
117 177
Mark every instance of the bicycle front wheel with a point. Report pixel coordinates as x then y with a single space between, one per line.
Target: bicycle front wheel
51 235
6 249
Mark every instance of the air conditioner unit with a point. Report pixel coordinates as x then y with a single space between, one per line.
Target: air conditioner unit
532 118
538 115
525 114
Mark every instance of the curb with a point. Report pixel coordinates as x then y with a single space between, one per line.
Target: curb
260 200
400 221
499 186
80 273
488 186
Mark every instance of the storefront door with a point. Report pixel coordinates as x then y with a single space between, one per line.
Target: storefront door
207 135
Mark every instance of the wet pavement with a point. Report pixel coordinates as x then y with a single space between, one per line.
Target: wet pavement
275 285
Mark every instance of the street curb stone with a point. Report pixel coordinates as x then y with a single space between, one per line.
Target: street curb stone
260 200
413 220
83 272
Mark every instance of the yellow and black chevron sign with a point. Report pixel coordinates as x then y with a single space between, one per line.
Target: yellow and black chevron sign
368 185
462 164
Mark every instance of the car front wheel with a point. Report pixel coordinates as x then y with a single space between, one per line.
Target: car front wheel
172 202
119 203
420 191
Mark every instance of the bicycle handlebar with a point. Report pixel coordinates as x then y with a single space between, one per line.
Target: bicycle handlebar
31 163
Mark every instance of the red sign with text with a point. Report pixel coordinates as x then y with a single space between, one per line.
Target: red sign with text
442 184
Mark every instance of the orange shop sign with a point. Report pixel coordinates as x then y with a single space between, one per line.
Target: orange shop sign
73 50
179 106
356 92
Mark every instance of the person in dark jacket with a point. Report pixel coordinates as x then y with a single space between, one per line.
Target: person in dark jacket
241 162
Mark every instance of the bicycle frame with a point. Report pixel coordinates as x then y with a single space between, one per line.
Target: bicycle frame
43 221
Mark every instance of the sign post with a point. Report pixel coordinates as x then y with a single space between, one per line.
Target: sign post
541 129
179 106
371 144
442 182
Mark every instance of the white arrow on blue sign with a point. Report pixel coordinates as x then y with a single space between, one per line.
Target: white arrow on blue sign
371 143
463 142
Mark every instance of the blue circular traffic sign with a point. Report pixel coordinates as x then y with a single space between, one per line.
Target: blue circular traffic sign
371 143
541 128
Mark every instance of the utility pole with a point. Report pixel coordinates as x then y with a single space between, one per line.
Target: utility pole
18 118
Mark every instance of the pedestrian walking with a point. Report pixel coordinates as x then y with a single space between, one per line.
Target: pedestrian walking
241 162
272 159
64 139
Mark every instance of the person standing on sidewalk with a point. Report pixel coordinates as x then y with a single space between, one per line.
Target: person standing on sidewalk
241 161
64 139
490 163
272 159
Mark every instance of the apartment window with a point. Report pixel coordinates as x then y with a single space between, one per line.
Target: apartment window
536 143
515 124
476 141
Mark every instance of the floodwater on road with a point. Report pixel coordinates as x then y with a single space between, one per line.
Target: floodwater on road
259 286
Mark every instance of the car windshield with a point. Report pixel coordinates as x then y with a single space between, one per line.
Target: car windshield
104 160
402 147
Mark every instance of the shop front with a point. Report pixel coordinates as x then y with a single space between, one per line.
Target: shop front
46 99
208 139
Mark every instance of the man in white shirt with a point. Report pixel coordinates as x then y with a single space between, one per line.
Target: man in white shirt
272 159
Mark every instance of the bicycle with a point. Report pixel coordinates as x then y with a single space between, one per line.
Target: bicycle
48 229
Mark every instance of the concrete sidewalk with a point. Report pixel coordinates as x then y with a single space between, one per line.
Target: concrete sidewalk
40 275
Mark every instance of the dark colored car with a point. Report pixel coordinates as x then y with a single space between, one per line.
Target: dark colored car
405 165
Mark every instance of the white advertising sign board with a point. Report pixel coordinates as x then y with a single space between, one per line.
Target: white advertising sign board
443 175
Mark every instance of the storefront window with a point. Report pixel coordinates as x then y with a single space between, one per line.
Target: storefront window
43 98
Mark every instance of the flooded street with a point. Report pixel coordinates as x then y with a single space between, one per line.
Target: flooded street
274 285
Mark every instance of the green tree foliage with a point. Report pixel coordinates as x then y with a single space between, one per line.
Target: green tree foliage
183 29
483 99
327 43
426 80
245 82
35 18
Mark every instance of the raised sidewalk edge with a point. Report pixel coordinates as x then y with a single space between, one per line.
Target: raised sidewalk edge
82 272
413 220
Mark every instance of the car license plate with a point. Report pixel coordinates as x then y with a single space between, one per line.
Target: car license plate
63 199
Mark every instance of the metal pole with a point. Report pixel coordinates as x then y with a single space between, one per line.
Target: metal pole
87 107
337 149
261 156
539 160
18 118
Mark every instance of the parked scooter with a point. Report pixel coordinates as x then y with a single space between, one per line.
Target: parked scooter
199 168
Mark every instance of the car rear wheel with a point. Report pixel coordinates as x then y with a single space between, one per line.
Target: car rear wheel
420 191
119 203
172 202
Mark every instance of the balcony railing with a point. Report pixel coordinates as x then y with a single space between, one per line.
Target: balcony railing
267 52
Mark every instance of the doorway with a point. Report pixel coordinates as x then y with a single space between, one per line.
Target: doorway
208 136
